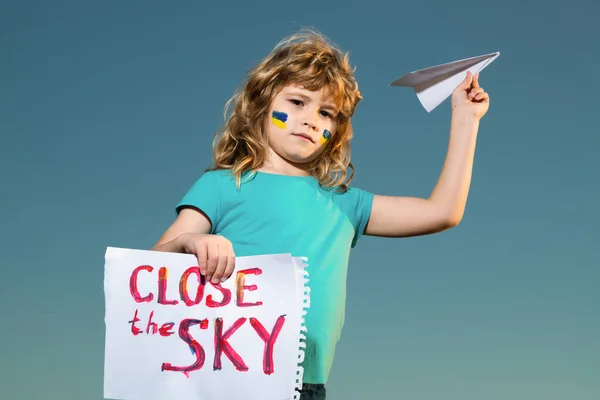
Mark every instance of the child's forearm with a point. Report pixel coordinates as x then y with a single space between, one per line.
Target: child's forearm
214 253
172 246
451 191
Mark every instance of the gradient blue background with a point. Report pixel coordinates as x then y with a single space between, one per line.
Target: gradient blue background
107 111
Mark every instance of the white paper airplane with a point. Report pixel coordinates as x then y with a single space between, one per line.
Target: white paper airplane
435 84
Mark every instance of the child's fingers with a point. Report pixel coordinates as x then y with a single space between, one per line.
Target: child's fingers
466 83
202 256
230 265
483 96
213 259
474 92
476 81
221 264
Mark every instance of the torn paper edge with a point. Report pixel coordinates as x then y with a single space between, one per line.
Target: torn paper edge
300 264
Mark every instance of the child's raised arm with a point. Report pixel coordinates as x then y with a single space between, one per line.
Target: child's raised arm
407 216
190 233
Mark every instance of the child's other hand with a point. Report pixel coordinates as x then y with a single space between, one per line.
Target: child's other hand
215 255
469 98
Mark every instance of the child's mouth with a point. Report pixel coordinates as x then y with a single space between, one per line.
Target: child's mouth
303 137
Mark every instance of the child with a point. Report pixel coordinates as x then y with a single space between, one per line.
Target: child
280 184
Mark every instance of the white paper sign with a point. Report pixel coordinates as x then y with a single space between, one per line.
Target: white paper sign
170 335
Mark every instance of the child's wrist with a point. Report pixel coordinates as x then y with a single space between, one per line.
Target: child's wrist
464 117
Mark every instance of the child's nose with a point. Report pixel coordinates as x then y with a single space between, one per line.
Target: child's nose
311 125
311 120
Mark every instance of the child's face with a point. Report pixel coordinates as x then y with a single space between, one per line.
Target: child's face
300 124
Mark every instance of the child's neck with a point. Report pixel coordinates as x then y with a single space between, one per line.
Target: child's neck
284 171
279 166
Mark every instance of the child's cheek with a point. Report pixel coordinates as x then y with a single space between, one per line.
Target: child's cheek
279 119
326 136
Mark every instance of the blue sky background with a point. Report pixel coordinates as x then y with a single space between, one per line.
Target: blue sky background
107 111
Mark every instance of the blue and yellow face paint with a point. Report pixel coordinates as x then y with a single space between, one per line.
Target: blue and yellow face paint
279 119
326 136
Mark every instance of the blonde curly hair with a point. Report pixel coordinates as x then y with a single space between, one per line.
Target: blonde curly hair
310 60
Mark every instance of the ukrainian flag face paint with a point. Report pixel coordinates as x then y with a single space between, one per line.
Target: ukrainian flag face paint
279 119
326 136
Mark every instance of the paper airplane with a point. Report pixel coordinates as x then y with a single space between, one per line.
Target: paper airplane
435 84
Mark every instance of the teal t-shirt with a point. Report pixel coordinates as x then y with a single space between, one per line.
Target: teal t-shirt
274 214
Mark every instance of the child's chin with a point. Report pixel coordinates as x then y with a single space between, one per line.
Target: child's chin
300 158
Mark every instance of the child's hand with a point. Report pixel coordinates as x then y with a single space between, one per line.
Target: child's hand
215 255
469 98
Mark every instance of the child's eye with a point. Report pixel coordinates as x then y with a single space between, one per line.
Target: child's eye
296 102
326 114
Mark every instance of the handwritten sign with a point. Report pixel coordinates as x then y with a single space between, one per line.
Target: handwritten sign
172 335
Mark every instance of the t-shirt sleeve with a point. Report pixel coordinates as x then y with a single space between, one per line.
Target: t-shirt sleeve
204 197
361 202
